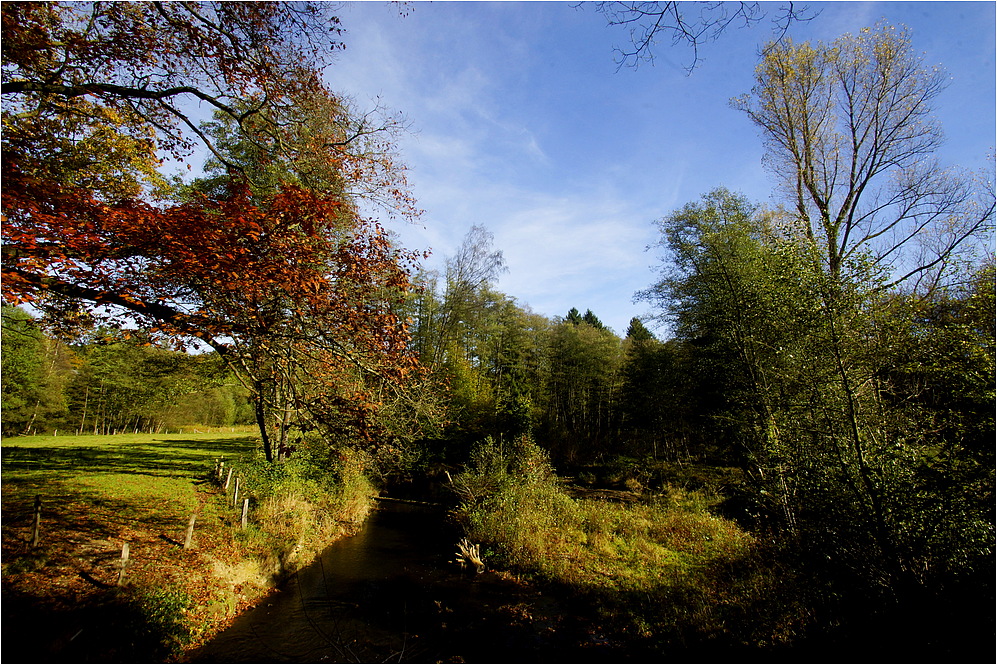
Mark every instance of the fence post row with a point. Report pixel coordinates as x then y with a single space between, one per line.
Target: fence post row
188 539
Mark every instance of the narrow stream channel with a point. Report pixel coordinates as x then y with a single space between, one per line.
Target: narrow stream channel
391 594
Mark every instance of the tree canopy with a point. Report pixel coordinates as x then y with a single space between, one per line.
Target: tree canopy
850 133
137 66
273 257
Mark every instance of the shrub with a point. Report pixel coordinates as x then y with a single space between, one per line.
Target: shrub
512 500
303 502
163 621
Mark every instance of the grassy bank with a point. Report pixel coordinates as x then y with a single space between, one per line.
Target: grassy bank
665 573
99 492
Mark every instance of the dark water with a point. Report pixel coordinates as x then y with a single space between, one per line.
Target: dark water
391 594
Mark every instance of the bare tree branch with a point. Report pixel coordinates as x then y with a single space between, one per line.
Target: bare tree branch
692 24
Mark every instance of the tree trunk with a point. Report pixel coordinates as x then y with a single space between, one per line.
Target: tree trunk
261 422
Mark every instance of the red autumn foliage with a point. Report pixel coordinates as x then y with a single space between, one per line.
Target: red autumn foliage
299 272
290 284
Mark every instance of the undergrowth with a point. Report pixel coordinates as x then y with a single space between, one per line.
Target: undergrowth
666 572
303 503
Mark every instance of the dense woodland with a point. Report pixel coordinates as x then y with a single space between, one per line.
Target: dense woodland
837 351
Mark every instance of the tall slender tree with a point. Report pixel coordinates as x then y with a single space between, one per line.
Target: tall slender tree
850 133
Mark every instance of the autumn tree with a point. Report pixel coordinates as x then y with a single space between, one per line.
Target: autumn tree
329 151
103 84
319 142
273 266
140 67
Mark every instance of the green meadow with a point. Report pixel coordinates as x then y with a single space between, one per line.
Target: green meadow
142 476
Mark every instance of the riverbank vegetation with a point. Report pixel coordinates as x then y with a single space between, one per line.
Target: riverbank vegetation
99 493
801 459
662 570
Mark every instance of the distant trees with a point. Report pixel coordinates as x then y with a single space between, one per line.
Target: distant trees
35 369
480 347
110 382
659 411
581 387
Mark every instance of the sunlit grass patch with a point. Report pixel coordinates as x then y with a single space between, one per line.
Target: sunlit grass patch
666 569
137 496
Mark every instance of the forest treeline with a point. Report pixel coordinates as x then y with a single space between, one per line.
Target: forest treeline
110 382
500 369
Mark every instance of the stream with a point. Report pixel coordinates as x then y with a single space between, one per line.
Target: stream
392 593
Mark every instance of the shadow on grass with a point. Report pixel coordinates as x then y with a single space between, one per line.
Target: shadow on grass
59 474
156 458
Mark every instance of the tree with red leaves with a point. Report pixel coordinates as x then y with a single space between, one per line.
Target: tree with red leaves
288 282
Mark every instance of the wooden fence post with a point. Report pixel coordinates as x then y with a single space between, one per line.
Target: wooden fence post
190 532
36 522
235 494
245 512
123 563
228 478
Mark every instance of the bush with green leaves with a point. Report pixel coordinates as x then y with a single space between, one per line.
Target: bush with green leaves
303 501
163 622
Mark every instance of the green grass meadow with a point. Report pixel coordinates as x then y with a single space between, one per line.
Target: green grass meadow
152 477
98 493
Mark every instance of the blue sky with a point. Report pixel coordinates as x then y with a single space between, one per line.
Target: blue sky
521 121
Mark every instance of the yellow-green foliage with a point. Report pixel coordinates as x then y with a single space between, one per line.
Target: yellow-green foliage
304 502
667 568
514 502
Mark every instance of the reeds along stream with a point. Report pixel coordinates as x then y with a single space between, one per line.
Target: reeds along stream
392 593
